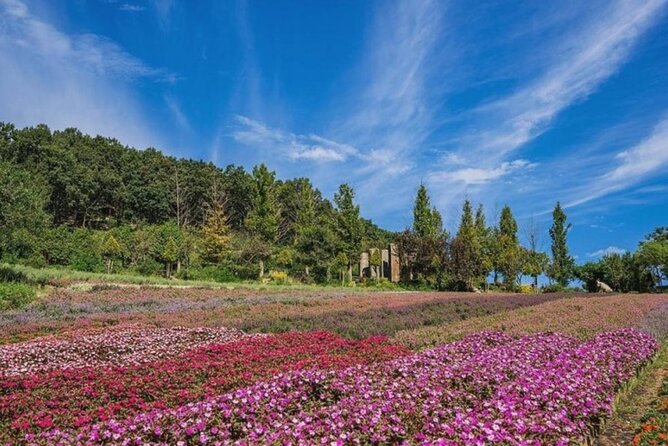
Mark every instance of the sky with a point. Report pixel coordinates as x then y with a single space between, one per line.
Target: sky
518 103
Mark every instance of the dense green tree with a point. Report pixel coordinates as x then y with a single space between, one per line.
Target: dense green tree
510 254
427 221
170 255
215 236
484 234
653 255
264 215
350 229
561 268
466 251
23 220
110 251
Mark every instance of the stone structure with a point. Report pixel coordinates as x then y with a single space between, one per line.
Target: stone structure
603 287
389 264
394 263
364 264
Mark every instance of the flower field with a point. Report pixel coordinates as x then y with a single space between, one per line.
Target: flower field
310 369
354 314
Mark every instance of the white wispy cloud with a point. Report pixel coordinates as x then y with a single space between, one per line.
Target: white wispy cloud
128 7
295 147
477 175
631 166
607 251
92 52
67 80
177 113
570 67
579 64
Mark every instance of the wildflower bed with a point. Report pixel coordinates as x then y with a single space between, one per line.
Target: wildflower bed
524 383
487 388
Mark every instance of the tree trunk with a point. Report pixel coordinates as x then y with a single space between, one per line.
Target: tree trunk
178 266
535 284
306 271
261 269
350 272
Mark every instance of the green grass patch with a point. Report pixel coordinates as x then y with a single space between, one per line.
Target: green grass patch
67 277
16 295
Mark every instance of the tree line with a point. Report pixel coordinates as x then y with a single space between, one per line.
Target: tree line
480 256
92 204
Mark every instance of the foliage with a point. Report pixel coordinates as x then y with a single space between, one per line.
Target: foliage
622 272
215 236
427 221
466 251
561 268
15 295
349 227
22 215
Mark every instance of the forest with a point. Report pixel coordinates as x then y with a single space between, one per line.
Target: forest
88 203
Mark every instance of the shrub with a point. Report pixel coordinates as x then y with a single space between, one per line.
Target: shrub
279 277
15 295
9 274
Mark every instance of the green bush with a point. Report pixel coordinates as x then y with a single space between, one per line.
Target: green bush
15 295
8 274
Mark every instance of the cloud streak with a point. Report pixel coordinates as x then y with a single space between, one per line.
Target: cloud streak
70 80
295 147
631 166
610 250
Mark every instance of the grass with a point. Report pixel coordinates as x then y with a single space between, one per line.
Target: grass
14 296
636 400
65 277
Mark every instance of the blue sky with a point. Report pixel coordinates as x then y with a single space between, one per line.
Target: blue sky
523 103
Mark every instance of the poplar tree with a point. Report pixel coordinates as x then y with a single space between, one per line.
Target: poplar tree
264 216
427 221
349 225
561 269
466 250
510 253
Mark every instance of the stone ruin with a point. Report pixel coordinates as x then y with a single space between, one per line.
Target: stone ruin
388 267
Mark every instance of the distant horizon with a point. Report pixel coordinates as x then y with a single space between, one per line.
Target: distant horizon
521 105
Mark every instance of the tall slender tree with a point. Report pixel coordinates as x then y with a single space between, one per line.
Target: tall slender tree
510 254
466 250
350 228
264 215
561 268
427 221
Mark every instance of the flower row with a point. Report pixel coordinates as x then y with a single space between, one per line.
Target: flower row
73 397
353 314
119 346
582 317
487 388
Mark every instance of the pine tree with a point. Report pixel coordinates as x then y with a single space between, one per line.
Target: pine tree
561 269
